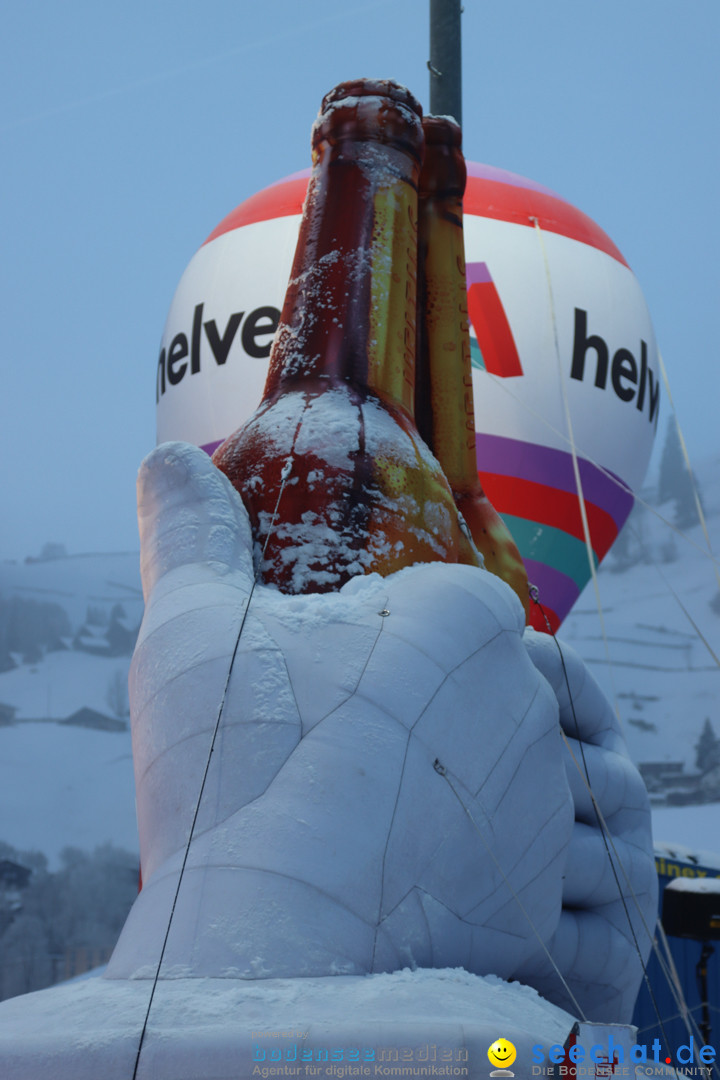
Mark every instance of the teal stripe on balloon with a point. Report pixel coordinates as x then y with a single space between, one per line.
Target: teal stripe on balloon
553 547
476 356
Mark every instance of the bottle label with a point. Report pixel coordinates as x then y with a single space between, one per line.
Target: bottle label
392 322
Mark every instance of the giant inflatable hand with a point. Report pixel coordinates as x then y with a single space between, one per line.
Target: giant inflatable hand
387 787
387 770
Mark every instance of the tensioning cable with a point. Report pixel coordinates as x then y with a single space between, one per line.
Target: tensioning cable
707 552
502 384
609 842
284 475
602 824
607 837
441 770
576 465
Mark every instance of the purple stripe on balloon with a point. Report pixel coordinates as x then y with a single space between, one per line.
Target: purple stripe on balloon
556 590
543 465
477 274
502 176
211 447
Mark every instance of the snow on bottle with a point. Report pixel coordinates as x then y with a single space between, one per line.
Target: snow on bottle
444 404
363 493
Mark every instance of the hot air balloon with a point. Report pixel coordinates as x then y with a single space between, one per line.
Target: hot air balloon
565 367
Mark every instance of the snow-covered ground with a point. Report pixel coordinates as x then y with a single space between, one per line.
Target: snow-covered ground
61 683
410 1023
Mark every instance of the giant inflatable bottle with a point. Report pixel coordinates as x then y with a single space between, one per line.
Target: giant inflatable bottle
444 401
363 492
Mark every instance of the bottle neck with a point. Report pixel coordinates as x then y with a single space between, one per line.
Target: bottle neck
444 405
350 309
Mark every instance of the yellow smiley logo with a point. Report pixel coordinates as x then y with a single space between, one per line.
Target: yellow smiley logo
502 1053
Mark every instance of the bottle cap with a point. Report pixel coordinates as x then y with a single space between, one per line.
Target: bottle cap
444 170
371 110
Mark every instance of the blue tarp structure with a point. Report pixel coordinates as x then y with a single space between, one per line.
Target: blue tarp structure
672 863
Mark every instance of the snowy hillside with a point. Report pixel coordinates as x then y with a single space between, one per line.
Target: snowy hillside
71 783
76 582
67 627
663 676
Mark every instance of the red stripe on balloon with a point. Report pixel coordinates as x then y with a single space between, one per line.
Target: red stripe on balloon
483 197
548 506
492 329
507 202
537 619
280 200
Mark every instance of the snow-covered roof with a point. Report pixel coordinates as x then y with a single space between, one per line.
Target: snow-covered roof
695 884
686 854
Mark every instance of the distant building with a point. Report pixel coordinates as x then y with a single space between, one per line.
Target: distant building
91 718
13 876
669 784
7 714
116 637
659 774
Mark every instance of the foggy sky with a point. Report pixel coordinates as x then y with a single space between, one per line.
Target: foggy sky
128 131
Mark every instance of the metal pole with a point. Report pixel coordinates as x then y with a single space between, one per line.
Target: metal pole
701 972
445 61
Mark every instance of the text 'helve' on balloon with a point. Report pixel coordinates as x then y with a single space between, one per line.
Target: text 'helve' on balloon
256 336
